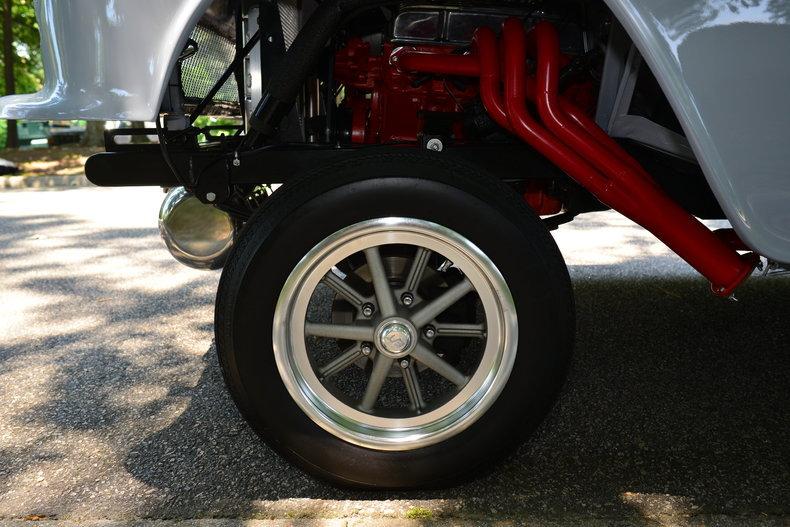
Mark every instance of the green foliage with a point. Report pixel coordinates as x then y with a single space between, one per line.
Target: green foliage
204 121
28 69
420 513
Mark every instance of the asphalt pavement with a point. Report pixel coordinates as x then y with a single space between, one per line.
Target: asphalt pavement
112 406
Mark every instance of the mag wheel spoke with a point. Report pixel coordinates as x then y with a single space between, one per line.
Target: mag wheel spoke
342 288
346 359
381 368
477 331
417 269
338 331
429 358
412 383
381 284
438 306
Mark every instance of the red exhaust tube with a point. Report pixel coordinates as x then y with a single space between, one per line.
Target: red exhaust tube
526 128
571 140
514 105
647 205
522 124
485 64
485 43
597 134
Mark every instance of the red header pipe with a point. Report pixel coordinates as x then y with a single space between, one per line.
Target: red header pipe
485 64
535 134
490 76
577 145
597 134
655 211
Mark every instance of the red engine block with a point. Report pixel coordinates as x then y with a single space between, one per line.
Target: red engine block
390 106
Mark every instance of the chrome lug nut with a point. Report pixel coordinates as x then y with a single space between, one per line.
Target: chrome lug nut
404 364
367 349
430 332
407 299
368 310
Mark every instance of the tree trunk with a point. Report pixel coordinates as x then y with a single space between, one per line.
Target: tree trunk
138 139
12 139
94 134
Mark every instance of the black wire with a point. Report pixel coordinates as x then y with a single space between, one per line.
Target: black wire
162 135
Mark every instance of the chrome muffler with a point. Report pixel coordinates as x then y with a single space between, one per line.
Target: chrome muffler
197 235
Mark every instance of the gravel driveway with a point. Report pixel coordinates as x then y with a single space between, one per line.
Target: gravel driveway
113 407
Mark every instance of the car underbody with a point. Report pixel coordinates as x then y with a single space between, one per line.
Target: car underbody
416 76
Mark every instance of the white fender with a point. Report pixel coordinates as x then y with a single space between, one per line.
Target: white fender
106 59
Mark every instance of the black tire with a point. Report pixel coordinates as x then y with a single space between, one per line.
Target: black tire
415 185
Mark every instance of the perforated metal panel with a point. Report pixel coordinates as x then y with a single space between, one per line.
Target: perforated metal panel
215 52
289 17
200 71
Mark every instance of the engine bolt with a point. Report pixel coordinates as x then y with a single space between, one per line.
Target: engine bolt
404 363
368 310
407 299
435 145
430 332
366 349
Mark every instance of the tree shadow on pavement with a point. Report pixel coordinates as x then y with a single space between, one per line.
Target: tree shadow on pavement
102 341
676 405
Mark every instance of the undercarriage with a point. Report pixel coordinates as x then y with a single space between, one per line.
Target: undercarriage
437 78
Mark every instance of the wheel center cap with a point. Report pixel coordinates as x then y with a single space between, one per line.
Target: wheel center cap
395 338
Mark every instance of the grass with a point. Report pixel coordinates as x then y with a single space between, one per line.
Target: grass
54 161
419 513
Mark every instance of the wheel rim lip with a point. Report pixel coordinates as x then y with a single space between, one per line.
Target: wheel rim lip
382 433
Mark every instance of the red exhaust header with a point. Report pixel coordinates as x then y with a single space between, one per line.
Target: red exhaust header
571 140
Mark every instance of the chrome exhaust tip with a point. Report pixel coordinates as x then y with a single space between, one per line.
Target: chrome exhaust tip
197 235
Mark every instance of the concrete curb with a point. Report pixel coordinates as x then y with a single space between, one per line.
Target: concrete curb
294 522
229 523
42 182
573 521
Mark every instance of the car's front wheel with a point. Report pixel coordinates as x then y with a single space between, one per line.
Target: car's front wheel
395 322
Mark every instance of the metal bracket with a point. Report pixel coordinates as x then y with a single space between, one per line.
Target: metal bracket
620 73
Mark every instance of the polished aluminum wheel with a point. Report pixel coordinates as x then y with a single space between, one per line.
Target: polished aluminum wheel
395 334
